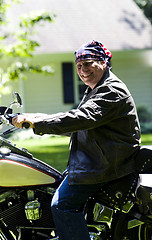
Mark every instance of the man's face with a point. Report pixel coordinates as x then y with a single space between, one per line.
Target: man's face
90 71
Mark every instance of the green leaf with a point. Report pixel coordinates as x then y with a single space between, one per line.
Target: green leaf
29 20
22 45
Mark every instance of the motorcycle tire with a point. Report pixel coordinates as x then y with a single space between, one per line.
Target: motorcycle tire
2 236
145 232
5 234
120 229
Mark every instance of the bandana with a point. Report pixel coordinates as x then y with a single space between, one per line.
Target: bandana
93 50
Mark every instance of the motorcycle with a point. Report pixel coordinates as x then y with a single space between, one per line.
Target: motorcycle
120 211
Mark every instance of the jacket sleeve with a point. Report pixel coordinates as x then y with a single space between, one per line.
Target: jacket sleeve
93 113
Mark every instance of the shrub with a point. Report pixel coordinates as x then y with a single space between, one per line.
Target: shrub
145 119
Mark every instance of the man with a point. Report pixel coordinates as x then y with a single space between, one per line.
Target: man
105 135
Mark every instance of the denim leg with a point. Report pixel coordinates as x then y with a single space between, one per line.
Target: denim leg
69 220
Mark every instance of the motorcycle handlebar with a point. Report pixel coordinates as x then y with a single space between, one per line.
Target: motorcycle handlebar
9 117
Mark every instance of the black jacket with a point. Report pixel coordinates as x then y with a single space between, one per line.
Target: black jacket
105 132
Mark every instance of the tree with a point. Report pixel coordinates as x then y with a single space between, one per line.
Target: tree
146 6
22 45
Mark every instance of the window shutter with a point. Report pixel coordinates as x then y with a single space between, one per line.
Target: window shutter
68 84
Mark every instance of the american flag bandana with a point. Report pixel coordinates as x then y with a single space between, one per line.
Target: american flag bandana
93 50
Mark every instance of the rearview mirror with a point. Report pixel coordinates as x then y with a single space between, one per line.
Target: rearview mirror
18 99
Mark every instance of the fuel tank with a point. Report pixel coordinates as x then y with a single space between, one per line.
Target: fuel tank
19 168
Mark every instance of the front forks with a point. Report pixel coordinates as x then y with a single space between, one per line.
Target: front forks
5 232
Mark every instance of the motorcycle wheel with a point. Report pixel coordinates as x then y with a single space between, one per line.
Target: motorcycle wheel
2 236
120 229
145 232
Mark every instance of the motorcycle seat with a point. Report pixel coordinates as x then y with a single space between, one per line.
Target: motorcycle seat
144 199
143 160
116 193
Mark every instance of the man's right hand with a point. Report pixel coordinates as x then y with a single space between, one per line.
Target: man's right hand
18 120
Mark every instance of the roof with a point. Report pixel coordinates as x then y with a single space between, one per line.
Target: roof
116 24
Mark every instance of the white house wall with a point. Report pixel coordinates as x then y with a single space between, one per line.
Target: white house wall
43 93
40 92
135 70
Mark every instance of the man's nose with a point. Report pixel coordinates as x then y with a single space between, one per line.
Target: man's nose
84 68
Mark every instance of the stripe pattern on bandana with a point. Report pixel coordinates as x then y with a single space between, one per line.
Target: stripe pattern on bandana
93 50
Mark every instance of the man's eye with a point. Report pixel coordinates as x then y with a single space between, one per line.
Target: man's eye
87 64
78 66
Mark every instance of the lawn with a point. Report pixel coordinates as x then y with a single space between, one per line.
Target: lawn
146 139
55 150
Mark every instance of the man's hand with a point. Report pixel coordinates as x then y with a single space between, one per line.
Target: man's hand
22 118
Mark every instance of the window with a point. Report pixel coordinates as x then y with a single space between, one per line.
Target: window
81 88
68 84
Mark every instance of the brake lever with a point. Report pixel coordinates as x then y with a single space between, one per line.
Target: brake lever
13 129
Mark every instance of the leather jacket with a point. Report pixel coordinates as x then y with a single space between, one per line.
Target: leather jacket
105 132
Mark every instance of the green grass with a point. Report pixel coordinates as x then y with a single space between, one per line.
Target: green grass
146 139
55 150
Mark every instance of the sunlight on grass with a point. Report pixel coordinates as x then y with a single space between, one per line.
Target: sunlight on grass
52 141
146 139
55 150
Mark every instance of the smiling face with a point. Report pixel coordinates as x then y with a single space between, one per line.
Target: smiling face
91 72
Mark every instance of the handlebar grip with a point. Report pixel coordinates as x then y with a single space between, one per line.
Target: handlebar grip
9 117
25 125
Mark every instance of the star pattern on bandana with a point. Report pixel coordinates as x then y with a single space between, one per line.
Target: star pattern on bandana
93 50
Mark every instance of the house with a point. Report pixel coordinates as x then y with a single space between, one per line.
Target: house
121 26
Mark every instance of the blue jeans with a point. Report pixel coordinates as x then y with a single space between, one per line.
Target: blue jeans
66 203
